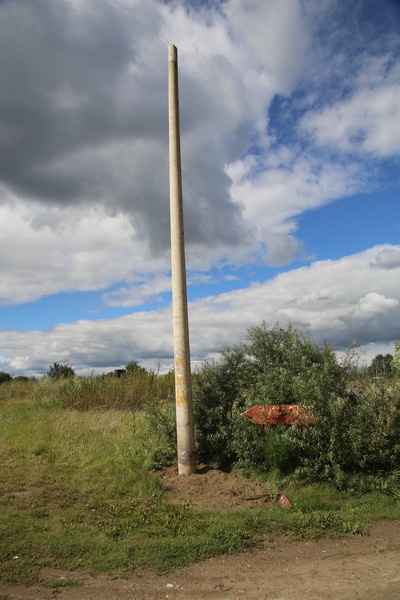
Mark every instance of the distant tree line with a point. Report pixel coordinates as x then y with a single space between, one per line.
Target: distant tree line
59 370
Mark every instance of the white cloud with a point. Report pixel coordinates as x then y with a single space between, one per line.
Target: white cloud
274 195
276 34
139 294
389 258
367 122
374 303
281 249
47 252
93 136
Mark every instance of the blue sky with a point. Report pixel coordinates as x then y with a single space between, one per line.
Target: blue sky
290 132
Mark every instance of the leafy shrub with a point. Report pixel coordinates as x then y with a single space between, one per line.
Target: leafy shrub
219 396
370 416
358 418
276 366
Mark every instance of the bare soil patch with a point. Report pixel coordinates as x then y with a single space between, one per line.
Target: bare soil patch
355 567
210 488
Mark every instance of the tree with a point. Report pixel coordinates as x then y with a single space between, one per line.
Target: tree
381 365
396 359
60 371
133 368
4 377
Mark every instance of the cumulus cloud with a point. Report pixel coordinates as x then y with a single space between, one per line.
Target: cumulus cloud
368 122
83 121
263 26
281 249
389 258
139 294
94 251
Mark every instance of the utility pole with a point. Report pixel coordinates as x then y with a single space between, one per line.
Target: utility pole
183 382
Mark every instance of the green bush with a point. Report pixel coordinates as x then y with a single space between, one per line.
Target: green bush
358 418
370 426
219 396
275 366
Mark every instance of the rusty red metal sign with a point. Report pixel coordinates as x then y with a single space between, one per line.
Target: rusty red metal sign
283 501
280 414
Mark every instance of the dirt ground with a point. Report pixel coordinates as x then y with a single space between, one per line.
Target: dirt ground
355 567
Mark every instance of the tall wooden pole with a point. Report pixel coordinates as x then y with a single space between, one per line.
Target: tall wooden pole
183 383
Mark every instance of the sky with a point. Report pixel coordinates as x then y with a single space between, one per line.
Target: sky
290 141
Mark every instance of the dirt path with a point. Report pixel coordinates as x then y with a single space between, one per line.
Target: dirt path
360 568
353 568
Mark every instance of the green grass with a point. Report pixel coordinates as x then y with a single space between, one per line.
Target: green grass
76 491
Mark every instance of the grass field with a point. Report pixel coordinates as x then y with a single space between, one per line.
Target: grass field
77 491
